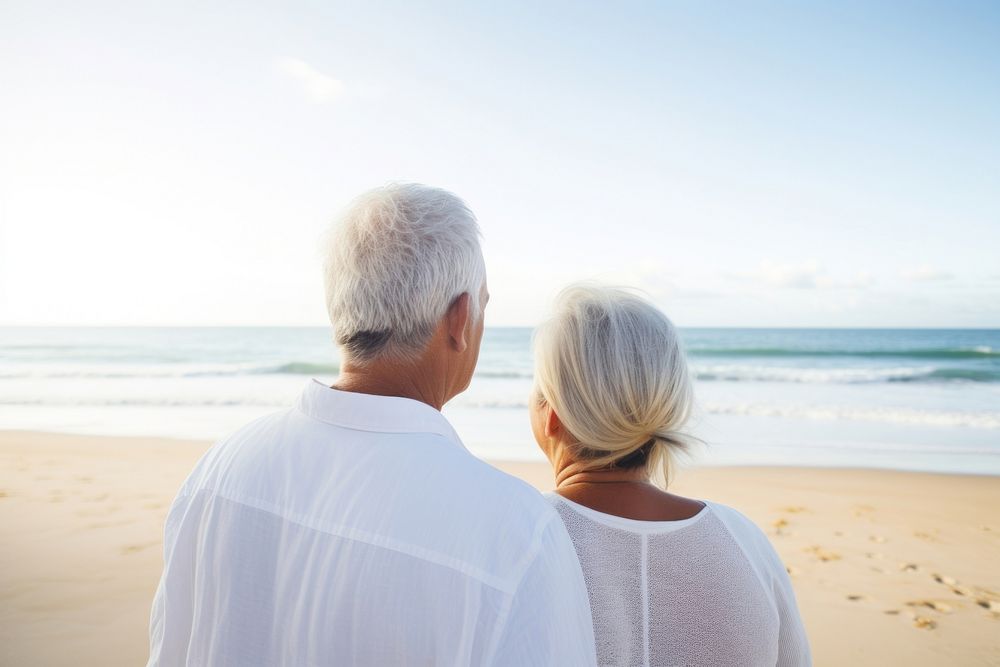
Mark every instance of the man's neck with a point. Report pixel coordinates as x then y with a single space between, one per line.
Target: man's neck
393 378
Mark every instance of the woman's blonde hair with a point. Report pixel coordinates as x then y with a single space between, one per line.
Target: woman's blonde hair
611 366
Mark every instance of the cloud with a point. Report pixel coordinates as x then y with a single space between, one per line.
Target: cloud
809 274
659 283
861 280
318 86
803 275
925 274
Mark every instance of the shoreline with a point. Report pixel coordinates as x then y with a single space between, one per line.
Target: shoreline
901 564
703 461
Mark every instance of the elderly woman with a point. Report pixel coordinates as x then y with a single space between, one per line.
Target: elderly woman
672 580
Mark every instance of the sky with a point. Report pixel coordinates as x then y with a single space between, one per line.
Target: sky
745 164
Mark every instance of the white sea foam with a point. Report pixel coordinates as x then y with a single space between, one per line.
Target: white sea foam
150 402
886 415
59 371
846 375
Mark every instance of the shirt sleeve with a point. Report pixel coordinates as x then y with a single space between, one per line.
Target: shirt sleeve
170 619
549 621
793 644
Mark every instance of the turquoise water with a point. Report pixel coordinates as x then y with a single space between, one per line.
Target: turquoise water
913 399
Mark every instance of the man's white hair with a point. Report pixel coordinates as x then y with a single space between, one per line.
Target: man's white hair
396 259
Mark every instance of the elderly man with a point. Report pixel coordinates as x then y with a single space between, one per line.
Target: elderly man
355 528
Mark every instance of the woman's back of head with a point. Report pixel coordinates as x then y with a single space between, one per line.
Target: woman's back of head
611 366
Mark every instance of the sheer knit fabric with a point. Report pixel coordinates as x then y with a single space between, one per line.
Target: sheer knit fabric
709 590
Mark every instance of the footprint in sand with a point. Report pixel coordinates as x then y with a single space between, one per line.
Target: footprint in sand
822 554
135 548
101 510
779 524
990 606
925 536
795 509
856 598
908 567
877 539
936 605
863 510
924 623
964 591
109 524
792 571
985 599
4 494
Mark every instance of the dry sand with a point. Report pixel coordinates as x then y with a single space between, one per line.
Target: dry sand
889 568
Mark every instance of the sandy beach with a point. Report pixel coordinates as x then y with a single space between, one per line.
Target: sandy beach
889 567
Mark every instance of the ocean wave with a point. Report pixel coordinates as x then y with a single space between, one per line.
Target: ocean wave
164 370
491 403
504 374
124 371
300 368
951 374
741 373
976 352
706 372
893 415
146 402
980 419
867 447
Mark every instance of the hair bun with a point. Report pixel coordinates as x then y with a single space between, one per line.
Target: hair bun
611 366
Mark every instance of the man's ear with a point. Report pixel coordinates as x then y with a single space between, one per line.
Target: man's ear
458 322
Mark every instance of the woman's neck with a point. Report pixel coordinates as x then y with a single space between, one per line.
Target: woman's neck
572 475
627 493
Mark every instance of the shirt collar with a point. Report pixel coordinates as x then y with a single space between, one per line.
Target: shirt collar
367 412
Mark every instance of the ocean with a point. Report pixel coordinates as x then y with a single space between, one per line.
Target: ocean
900 399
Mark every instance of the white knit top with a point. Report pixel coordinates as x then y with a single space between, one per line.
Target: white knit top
708 590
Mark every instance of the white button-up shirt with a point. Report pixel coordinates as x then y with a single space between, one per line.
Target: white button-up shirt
358 530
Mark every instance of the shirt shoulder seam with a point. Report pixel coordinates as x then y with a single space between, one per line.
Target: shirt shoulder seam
506 586
756 566
530 556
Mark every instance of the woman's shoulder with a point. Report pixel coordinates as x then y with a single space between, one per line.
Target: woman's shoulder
732 518
752 540
739 525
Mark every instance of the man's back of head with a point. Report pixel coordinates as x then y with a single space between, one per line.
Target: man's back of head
396 259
